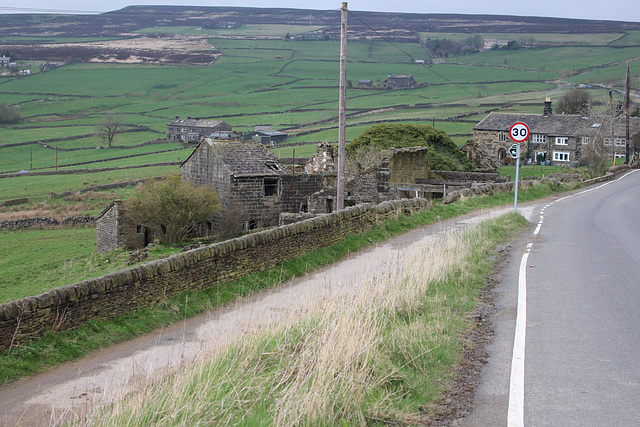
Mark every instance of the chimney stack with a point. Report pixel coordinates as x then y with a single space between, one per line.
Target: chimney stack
547 107
585 109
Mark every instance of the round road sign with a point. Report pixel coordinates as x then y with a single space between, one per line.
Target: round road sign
519 132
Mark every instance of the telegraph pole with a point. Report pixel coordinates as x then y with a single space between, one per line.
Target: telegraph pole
342 109
626 113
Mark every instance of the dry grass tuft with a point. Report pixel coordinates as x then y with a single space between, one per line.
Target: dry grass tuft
349 358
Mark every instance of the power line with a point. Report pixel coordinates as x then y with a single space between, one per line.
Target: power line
382 36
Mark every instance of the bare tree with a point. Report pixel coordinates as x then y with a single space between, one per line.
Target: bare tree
574 101
108 128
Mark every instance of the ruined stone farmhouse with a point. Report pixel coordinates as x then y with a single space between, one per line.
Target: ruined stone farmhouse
252 185
555 139
257 191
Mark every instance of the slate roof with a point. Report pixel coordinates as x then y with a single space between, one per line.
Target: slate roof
246 158
558 124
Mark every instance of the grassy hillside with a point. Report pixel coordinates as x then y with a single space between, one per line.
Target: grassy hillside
259 78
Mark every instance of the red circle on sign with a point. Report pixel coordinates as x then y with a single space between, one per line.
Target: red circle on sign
519 132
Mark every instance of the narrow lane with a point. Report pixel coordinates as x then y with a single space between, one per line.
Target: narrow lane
582 281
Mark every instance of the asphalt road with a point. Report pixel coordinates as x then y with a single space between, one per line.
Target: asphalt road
579 364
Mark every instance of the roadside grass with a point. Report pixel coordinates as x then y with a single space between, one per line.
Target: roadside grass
57 348
381 353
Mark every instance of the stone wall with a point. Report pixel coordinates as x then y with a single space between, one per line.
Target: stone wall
114 294
45 222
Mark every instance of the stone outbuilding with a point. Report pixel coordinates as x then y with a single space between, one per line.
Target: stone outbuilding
114 230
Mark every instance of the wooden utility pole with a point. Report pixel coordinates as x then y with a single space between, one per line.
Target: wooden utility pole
342 116
626 113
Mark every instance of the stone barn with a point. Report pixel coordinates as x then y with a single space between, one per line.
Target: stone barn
252 185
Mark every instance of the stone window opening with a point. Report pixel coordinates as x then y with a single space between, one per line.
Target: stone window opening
252 224
272 187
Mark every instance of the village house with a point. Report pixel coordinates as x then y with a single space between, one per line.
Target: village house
195 130
365 83
5 61
555 139
400 81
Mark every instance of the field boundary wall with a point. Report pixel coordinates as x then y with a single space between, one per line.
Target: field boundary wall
114 294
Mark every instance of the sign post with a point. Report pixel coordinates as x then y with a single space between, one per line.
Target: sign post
519 132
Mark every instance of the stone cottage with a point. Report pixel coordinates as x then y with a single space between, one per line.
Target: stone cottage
400 81
557 139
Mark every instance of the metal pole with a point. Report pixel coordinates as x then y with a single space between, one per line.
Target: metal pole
515 201
342 108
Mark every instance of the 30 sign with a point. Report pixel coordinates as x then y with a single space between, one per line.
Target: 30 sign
519 132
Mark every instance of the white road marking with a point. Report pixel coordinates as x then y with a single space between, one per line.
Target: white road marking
515 417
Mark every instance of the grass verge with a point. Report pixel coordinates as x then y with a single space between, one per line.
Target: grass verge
381 353
56 348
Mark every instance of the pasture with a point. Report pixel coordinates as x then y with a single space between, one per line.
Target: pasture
263 79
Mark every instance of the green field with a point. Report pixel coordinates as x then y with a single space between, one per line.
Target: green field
283 83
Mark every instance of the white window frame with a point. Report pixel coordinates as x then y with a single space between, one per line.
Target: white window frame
585 140
502 137
562 140
561 156
606 141
620 142
539 138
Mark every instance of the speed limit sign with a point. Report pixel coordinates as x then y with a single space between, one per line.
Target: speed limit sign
519 132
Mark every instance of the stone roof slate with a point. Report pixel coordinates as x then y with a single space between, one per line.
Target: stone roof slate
247 158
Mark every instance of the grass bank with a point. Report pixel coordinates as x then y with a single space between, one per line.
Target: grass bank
382 353
56 348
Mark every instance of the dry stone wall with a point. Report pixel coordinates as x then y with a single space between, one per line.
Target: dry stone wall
114 294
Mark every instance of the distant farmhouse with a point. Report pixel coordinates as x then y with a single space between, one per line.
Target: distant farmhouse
400 81
48 66
556 139
195 130
5 61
